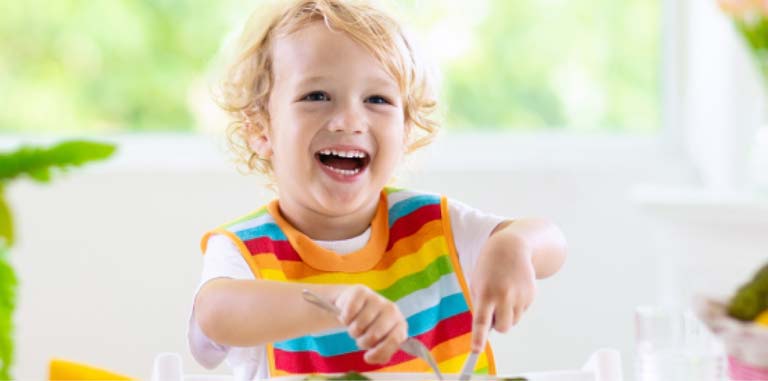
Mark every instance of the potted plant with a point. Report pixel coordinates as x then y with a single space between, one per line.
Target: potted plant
36 163
741 323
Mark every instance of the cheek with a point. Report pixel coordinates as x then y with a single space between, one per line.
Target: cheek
394 139
399 134
292 149
288 133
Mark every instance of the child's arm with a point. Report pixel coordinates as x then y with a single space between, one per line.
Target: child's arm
545 241
504 281
253 312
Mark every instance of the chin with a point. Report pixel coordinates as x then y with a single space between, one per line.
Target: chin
341 202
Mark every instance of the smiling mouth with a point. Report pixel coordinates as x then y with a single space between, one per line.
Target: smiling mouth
344 162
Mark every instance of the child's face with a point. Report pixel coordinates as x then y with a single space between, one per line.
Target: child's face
337 126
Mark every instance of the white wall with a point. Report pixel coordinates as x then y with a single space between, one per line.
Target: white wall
108 257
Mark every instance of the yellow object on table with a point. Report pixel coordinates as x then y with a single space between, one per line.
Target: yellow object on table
64 370
762 319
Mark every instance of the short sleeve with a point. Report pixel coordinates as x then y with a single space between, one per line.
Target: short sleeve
470 228
222 259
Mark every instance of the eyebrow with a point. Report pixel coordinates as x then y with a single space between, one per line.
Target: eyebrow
311 79
375 80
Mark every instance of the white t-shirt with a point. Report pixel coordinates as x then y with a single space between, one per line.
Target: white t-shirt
222 259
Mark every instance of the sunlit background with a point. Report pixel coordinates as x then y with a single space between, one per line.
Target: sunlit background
76 67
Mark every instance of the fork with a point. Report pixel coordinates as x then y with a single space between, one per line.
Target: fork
411 345
469 366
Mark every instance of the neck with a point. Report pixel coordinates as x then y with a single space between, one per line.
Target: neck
320 226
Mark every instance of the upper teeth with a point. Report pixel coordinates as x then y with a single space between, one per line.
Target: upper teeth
357 154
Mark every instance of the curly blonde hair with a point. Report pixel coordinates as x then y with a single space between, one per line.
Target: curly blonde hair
247 82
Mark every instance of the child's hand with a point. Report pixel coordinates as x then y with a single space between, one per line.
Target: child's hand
373 321
503 286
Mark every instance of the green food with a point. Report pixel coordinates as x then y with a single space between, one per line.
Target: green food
751 298
349 376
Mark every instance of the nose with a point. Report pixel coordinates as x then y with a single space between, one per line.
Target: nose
348 117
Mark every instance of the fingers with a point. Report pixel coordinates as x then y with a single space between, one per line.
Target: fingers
362 321
351 302
504 317
481 324
386 319
519 311
374 322
383 351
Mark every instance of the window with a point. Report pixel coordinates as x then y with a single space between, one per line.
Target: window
546 64
106 66
102 67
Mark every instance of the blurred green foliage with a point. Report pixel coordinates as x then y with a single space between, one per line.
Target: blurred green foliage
81 65
116 65
755 33
37 163
8 284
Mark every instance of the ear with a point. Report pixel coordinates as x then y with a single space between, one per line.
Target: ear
261 144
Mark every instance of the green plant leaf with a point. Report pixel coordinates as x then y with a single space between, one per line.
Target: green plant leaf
42 175
79 152
6 222
8 283
37 162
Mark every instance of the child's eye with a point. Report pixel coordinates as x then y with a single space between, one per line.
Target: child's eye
376 99
316 96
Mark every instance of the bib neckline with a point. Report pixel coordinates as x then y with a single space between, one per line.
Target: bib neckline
327 260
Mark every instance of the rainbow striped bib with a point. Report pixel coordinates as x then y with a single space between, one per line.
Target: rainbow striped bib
409 259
